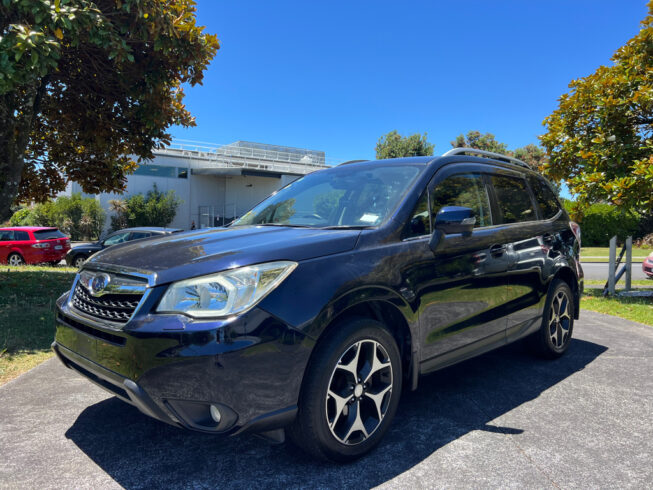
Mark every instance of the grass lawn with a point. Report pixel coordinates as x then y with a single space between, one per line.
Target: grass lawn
27 296
635 309
603 254
634 282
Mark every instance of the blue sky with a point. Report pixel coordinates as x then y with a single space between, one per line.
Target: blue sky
335 76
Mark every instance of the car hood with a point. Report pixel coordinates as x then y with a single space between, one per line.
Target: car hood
89 248
195 253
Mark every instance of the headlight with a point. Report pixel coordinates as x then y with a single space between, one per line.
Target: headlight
225 293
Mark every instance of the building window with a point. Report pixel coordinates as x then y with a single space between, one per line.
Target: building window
156 171
182 173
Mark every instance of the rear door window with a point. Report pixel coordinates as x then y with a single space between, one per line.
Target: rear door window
513 199
48 234
546 199
6 235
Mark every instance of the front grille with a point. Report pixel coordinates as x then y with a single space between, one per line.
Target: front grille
117 308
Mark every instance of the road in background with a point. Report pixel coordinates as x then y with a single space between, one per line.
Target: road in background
597 270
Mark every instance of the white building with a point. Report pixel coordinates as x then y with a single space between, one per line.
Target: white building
217 183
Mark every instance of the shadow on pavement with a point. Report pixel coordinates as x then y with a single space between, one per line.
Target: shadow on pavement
137 451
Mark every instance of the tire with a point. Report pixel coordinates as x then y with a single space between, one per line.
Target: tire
54 263
342 417
79 261
15 259
554 336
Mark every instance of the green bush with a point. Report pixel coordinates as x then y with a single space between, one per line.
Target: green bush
154 209
79 218
600 222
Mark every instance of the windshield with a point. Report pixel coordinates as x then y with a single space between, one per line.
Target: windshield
348 196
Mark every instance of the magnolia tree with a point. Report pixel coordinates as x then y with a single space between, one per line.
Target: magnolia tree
85 85
599 139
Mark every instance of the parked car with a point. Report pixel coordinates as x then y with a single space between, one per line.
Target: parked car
647 266
309 314
32 245
78 255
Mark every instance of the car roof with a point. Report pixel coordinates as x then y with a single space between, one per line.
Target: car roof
30 228
465 155
150 228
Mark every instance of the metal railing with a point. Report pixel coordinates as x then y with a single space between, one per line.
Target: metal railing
233 156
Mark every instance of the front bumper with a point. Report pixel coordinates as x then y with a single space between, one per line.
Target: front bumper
173 368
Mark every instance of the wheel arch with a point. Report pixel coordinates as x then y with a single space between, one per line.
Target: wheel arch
18 252
380 304
567 275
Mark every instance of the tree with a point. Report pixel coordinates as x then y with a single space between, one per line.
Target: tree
154 209
600 138
77 216
532 154
393 145
485 142
85 84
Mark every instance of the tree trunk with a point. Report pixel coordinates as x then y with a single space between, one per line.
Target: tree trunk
16 118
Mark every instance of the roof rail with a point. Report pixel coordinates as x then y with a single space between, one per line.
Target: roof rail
352 161
487 154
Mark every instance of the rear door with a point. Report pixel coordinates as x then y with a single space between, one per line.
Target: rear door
525 237
465 285
23 241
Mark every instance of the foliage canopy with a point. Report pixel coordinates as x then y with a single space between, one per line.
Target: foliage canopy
599 139
81 218
154 209
393 145
85 84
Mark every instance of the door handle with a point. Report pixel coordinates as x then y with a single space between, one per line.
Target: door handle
497 250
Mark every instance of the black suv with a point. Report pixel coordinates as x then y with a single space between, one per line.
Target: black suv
76 256
307 315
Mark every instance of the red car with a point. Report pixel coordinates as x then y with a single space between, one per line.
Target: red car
32 245
647 266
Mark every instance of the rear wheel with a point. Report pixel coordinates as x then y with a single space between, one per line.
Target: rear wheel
15 259
553 338
351 392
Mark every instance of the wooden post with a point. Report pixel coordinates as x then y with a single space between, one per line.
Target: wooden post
629 260
612 265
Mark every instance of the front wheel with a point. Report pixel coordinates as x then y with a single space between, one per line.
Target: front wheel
351 392
79 261
553 338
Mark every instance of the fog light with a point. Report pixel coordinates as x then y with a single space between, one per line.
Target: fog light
215 414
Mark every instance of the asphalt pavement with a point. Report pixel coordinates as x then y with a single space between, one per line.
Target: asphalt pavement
504 420
597 270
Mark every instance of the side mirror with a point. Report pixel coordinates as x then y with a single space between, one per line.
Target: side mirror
455 219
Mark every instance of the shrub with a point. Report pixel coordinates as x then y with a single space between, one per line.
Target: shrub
154 209
78 217
600 222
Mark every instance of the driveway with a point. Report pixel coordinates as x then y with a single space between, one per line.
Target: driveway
502 420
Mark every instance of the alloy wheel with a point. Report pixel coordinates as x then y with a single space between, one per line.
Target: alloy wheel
359 392
559 320
15 259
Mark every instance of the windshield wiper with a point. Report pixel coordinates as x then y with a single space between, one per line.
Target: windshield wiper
346 227
287 225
